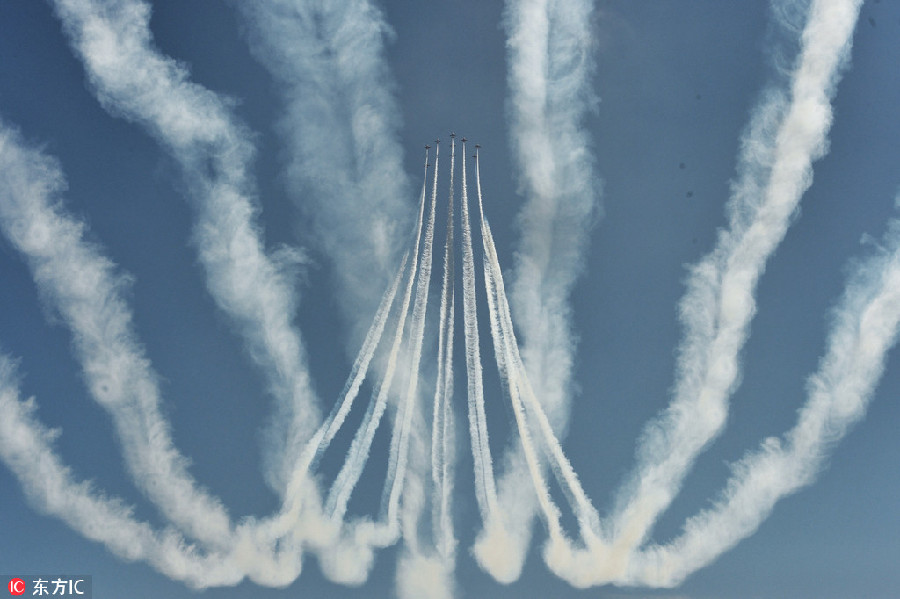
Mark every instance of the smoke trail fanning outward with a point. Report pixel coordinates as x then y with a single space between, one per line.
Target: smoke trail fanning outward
344 165
716 311
26 448
865 327
83 287
362 442
130 78
399 453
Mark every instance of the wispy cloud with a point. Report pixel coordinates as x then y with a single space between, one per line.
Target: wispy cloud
341 126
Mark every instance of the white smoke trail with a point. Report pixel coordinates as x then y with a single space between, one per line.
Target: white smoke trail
430 573
516 375
865 327
516 380
502 346
332 424
550 65
442 411
282 524
485 488
84 288
26 448
717 308
341 130
130 78
447 421
398 456
339 495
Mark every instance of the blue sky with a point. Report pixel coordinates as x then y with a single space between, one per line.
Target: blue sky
676 84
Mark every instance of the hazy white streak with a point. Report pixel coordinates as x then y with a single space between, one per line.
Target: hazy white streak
26 448
341 125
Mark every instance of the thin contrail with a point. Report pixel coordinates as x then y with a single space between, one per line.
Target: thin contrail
133 80
442 411
776 169
350 472
420 573
517 375
333 422
281 523
398 455
485 488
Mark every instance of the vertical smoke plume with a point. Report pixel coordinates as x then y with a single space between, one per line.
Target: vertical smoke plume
132 79
485 489
442 415
550 65
340 127
775 169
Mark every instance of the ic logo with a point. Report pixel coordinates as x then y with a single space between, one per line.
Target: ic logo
16 586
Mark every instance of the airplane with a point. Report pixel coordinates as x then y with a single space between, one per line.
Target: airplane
477 146
427 147
464 140
452 135
437 141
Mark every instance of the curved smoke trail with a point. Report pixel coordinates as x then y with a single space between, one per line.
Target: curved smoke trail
775 171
